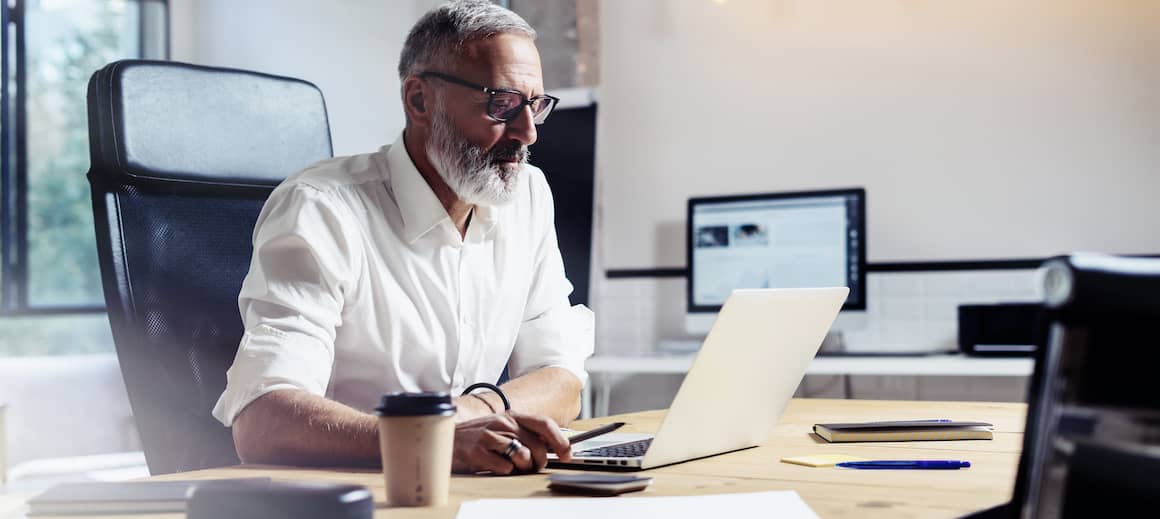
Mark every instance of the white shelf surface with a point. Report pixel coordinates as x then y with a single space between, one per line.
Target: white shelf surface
921 365
596 392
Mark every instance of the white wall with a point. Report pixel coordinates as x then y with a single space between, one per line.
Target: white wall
348 48
981 129
65 406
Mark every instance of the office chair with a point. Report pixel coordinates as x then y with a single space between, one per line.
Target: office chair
183 157
1091 445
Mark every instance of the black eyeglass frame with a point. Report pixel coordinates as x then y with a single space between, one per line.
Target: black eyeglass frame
493 92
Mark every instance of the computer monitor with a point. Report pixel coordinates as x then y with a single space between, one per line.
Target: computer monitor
774 240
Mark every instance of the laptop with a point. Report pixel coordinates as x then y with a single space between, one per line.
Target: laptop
743 377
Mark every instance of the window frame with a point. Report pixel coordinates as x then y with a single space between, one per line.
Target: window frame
14 267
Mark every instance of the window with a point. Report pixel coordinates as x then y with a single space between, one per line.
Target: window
50 291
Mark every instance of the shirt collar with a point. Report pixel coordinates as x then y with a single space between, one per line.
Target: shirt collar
420 208
485 216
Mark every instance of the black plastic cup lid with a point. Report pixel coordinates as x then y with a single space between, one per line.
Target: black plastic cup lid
416 404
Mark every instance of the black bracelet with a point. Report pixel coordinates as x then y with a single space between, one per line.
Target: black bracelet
507 406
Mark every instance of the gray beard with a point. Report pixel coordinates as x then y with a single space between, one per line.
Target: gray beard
475 175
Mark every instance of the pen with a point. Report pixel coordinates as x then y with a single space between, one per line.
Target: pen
906 464
588 435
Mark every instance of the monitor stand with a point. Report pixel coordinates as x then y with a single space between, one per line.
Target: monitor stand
698 325
680 346
834 343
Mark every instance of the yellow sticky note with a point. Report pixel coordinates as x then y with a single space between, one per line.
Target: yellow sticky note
821 460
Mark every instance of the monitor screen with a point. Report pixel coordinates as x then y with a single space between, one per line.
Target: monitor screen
776 240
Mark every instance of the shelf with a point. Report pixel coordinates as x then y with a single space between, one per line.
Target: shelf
919 365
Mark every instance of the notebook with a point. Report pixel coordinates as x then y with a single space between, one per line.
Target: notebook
741 380
122 497
906 430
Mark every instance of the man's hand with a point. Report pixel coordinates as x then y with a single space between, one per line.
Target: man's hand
481 442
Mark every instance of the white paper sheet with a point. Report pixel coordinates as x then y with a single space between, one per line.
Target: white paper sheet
783 505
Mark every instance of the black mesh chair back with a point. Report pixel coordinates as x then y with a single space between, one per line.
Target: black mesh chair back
183 157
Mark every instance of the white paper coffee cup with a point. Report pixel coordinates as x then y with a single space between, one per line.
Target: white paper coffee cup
416 437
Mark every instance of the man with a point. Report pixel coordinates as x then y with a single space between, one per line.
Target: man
427 266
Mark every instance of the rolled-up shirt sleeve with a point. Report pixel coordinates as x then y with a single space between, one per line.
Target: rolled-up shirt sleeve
304 264
553 333
562 337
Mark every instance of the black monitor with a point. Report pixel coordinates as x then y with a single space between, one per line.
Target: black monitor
774 240
566 152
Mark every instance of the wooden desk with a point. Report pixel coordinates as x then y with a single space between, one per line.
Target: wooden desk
830 492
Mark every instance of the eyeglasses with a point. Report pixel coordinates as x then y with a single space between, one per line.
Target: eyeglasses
504 105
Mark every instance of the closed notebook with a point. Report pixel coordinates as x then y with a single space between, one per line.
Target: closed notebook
122 497
916 430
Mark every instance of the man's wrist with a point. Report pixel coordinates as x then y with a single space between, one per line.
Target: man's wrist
489 402
488 396
475 406
484 402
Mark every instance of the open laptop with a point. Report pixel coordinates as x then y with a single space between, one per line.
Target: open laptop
743 377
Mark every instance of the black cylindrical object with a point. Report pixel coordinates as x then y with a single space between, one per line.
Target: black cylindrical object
1099 284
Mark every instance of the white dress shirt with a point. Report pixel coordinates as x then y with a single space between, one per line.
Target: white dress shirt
361 285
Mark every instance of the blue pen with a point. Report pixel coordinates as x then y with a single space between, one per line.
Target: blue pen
906 464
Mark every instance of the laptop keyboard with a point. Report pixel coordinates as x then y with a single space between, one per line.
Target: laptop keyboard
624 450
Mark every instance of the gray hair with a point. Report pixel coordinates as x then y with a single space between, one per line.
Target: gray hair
443 31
